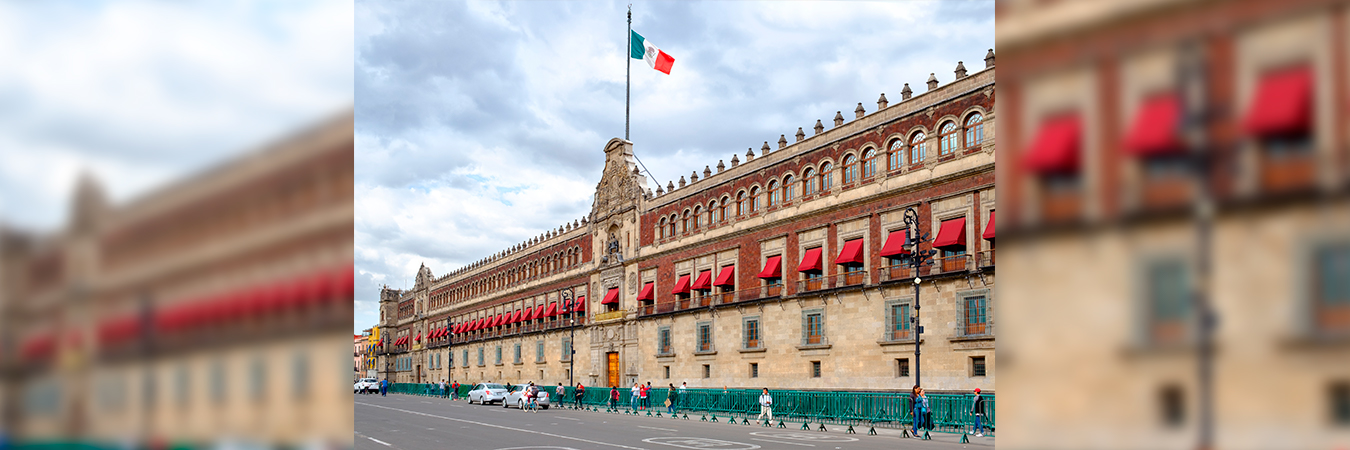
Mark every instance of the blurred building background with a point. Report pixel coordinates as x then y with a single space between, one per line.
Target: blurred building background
1159 160
214 308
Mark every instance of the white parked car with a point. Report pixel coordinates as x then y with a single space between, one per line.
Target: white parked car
485 393
517 398
366 384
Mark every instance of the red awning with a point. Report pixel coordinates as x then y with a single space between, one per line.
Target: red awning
1156 127
851 254
1282 104
773 268
897 243
952 235
501 320
552 310
38 347
539 312
476 324
810 262
727 277
580 304
681 286
419 337
517 316
528 314
1056 147
646 293
989 228
613 296
704 280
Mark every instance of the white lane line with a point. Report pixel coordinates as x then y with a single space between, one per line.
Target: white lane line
568 418
377 441
781 442
503 427
655 428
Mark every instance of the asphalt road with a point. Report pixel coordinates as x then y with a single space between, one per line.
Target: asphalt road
404 422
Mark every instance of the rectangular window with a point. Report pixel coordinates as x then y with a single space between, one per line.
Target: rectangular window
704 337
1333 288
218 381
663 338
751 332
754 370
977 366
1168 290
258 378
897 319
566 349
1340 403
667 370
466 358
480 357
813 328
499 355
975 316
517 360
902 367
815 369
539 351
300 378
707 371
181 385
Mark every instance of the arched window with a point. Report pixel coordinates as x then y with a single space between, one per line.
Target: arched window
722 209
947 139
740 204
897 155
754 199
787 189
826 177
808 182
850 169
974 130
712 213
869 164
673 218
684 223
916 148
773 193
698 217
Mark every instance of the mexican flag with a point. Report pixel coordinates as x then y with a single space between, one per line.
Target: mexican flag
643 49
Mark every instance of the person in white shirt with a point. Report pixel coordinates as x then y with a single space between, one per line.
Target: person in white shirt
765 405
636 396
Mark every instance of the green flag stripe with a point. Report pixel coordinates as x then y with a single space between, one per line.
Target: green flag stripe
637 50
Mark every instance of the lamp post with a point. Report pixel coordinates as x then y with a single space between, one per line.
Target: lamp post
917 259
1191 73
571 333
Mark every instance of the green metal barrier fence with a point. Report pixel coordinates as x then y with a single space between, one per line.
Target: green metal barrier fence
950 413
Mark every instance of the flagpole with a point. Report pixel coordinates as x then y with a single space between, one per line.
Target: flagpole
628 73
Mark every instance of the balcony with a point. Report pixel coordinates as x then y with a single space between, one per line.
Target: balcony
772 290
896 272
811 284
986 258
955 263
1288 172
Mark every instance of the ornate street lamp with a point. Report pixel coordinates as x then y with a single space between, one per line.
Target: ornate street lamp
917 260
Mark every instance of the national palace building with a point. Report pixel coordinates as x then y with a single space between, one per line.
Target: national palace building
216 307
785 267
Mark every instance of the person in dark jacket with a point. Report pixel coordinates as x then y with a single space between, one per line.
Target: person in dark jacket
914 407
671 398
614 397
977 410
578 394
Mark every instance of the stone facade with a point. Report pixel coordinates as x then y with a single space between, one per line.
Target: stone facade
635 235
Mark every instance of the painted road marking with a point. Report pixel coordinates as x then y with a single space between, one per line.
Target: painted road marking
493 425
377 441
796 436
655 428
783 442
701 443
569 418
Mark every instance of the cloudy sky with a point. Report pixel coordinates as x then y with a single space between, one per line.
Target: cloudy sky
141 93
481 124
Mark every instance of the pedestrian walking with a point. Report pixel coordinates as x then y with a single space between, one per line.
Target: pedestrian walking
917 414
384 387
454 390
643 390
578 394
635 396
977 410
562 392
765 405
614 397
671 397
925 413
